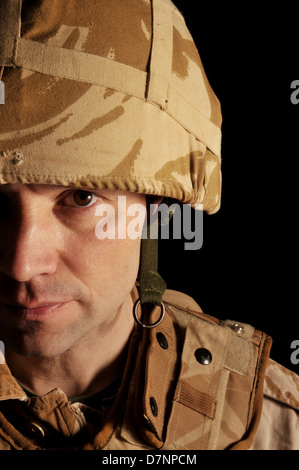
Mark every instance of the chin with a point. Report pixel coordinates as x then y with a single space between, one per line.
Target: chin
43 347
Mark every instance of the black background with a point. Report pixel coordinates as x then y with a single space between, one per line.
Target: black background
247 268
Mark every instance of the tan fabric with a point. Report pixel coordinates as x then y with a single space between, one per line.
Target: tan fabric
214 406
88 103
9 15
279 426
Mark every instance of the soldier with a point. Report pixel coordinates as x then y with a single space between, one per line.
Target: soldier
105 104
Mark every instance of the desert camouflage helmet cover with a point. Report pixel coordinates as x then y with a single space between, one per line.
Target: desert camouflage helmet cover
110 94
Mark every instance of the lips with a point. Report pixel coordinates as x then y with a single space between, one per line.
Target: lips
34 311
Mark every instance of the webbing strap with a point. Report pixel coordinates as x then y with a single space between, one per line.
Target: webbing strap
161 55
156 87
80 66
97 70
152 286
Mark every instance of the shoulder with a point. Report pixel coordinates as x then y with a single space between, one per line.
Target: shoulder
282 385
274 388
224 361
180 300
279 424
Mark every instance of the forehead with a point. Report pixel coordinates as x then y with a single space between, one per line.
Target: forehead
20 187
49 188
53 191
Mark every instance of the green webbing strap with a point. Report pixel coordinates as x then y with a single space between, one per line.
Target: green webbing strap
152 286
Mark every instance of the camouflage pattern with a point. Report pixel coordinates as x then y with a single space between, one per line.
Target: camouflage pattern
217 405
279 426
90 104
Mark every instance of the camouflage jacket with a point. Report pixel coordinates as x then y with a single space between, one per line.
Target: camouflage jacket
193 382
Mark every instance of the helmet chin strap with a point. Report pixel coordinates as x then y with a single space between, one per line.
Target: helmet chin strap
152 286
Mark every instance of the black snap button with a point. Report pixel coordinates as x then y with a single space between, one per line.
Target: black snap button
154 406
203 356
162 340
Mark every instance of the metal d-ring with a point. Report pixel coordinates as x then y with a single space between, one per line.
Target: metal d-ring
143 324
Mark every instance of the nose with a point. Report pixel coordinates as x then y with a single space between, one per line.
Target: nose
26 247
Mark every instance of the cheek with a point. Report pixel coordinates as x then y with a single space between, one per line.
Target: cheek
107 266
116 259
103 265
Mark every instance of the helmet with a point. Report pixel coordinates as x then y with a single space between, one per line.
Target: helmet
109 96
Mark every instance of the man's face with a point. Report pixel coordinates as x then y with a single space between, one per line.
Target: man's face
60 283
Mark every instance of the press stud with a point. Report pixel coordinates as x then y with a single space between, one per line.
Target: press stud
162 340
154 406
203 356
237 328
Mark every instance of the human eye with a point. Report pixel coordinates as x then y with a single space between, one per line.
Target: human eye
79 198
